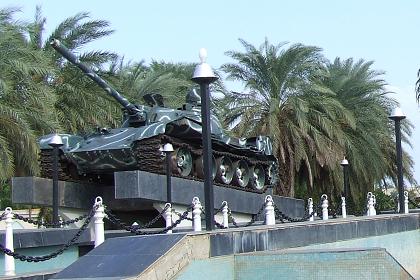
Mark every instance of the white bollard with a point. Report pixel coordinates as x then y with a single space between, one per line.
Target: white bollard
311 209
324 199
373 210
225 210
371 204
99 221
406 202
196 214
270 217
343 207
9 261
60 222
168 217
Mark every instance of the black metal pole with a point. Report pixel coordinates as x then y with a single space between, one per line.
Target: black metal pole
168 177
346 181
399 164
207 155
55 186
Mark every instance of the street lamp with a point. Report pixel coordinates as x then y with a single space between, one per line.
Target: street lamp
168 149
397 116
55 143
345 164
204 76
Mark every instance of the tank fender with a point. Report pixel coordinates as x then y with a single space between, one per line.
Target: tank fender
70 141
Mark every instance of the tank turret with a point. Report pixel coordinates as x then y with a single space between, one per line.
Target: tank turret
244 163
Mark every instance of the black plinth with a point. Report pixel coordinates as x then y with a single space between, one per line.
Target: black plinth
152 187
138 190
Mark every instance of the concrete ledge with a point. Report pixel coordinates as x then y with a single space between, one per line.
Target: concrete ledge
263 238
162 256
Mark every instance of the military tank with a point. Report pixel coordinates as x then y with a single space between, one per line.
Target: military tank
243 163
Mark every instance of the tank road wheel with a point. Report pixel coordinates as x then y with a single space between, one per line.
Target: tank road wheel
183 162
257 179
225 170
199 167
273 174
241 174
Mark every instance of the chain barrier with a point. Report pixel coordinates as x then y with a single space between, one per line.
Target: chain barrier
56 253
220 208
281 216
253 217
335 210
155 219
45 224
136 229
219 225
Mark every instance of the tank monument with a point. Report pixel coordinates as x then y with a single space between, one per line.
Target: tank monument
126 165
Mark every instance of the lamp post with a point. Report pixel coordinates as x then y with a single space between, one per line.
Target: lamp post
204 76
345 164
55 143
168 149
397 116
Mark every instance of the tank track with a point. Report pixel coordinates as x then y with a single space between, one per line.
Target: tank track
147 154
149 159
46 166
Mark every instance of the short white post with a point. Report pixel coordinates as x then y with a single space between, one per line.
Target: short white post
9 261
270 217
196 214
60 221
99 221
225 210
343 207
405 202
168 216
311 209
324 199
370 205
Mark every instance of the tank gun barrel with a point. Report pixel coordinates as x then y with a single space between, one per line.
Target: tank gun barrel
133 111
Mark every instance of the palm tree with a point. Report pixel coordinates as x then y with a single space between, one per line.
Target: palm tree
79 104
283 101
24 99
368 142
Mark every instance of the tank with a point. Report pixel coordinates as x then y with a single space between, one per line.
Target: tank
243 163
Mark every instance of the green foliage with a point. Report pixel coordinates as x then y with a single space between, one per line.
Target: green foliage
5 197
385 202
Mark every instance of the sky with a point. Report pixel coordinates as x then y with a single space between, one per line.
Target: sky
382 31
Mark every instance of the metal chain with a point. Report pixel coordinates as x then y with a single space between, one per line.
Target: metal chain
280 215
219 225
155 219
335 211
37 223
56 253
179 215
253 217
136 230
220 208
113 217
